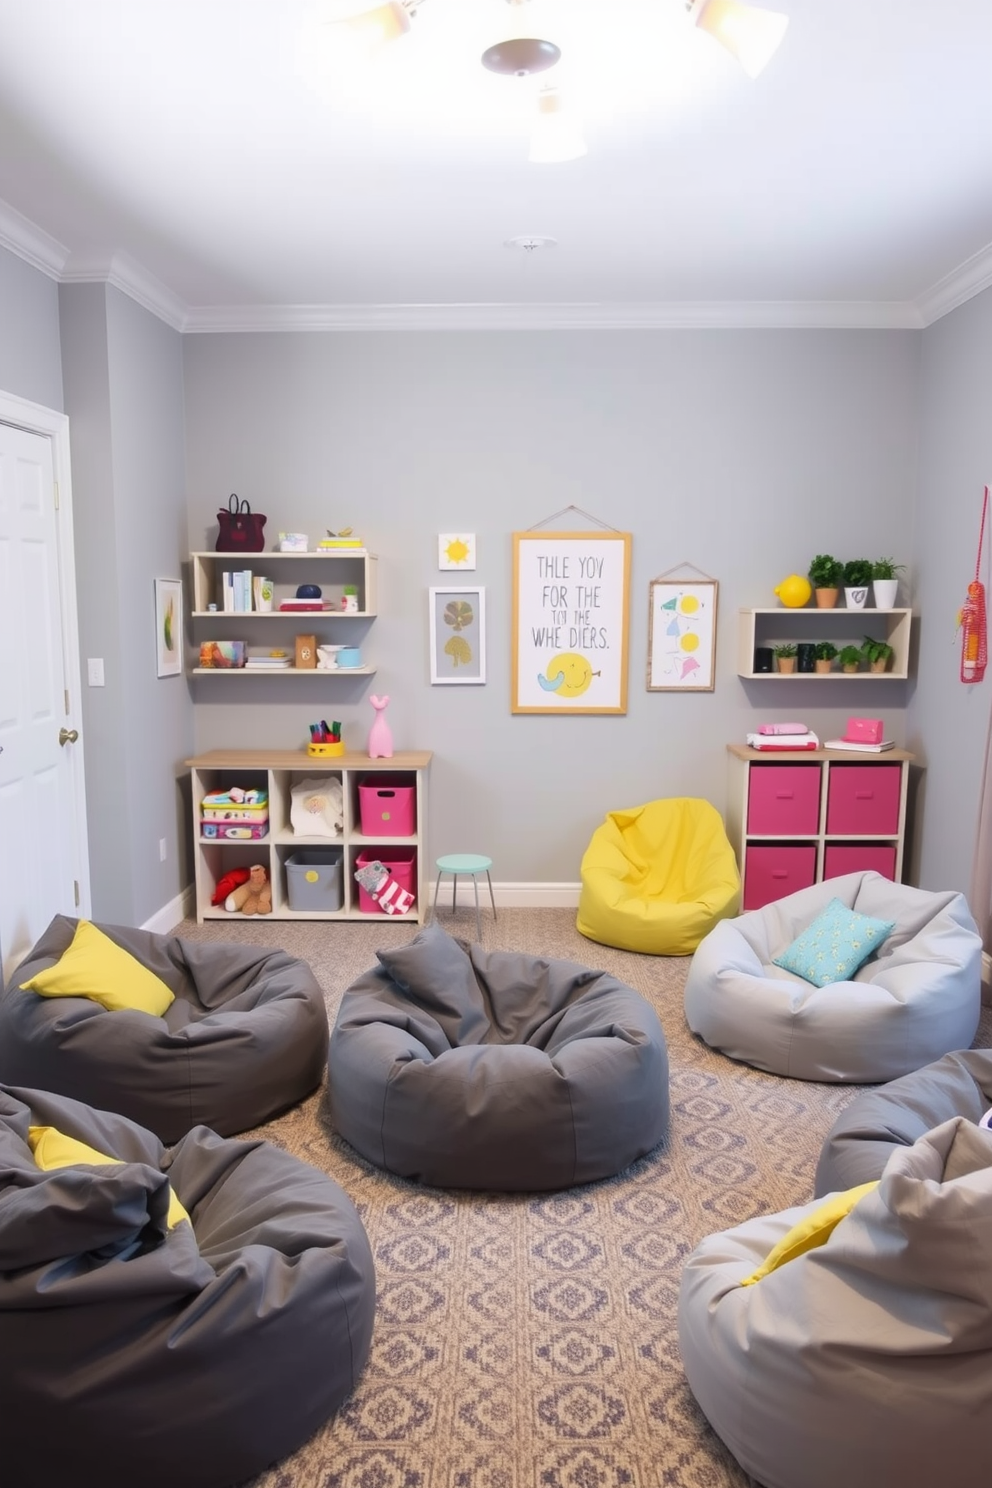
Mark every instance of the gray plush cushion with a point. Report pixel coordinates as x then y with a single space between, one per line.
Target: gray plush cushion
867 1131
468 1068
868 1361
245 1038
136 1355
917 998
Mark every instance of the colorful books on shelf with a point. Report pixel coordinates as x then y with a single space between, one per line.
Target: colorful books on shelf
779 743
301 606
857 747
236 590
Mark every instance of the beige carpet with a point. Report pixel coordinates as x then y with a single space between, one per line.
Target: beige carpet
529 1341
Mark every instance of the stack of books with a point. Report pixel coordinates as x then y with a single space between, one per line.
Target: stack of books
268 661
334 544
236 590
857 746
299 606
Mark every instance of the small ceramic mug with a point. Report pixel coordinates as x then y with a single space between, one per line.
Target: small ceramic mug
349 656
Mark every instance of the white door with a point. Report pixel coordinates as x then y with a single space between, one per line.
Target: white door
43 867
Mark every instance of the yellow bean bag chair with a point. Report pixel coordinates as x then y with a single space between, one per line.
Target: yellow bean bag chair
657 878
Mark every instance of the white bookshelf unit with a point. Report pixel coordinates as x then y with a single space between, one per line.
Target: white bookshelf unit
277 772
331 570
779 625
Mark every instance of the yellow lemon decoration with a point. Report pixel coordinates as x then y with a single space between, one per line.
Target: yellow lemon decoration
794 591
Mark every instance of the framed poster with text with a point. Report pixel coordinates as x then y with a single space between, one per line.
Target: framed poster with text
569 617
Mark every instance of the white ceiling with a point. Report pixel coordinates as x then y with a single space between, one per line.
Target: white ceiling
192 152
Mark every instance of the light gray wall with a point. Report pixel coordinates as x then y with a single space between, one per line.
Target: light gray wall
30 359
948 719
740 452
123 392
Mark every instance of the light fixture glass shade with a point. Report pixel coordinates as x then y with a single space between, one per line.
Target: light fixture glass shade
372 29
748 32
556 135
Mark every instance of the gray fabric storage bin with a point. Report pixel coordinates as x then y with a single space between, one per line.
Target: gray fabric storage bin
307 891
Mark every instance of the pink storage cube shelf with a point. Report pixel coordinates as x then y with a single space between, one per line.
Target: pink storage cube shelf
864 799
776 870
402 864
857 857
784 800
388 806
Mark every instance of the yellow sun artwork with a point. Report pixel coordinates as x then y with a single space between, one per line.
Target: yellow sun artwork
456 550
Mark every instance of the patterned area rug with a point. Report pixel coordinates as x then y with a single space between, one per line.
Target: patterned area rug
530 1341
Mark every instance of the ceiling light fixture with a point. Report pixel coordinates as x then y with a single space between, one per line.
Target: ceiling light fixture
750 34
521 55
556 135
374 28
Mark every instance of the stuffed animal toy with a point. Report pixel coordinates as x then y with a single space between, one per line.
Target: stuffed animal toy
253 897
228 884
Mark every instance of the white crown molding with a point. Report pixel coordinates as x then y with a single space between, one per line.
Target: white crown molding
31 243
131 279
770 314
961 284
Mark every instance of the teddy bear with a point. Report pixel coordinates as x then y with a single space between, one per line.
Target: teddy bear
253 897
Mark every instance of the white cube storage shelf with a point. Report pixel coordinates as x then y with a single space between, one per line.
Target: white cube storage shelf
780 625
277 772
796 817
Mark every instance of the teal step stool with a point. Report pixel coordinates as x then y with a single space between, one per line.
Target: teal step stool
470 863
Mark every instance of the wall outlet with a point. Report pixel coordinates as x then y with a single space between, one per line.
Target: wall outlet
163 850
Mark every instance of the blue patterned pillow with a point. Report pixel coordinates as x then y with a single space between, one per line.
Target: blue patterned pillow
835 945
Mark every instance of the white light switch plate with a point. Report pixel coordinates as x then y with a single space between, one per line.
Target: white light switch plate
94 671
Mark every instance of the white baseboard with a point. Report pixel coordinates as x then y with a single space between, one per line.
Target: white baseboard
508 896
169 916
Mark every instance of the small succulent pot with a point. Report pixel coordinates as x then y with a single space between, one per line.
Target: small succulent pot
884 592
823 666
882 665
826 599
855 596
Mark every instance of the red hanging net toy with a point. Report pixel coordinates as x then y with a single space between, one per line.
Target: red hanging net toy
972 622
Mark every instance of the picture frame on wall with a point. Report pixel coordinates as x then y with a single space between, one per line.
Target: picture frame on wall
682 635
458 635
169 627
570 621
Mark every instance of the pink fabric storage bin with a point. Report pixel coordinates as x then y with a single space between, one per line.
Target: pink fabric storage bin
388 806
776 870
862 799
783 800
857 857
401 863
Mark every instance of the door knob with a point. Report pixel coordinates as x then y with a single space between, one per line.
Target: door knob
68 736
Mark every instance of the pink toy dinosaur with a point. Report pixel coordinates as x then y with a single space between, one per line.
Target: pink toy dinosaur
380 736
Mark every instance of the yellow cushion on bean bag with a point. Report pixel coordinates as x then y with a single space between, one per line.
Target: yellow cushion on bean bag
814 1229
53 1149
94 966
657 878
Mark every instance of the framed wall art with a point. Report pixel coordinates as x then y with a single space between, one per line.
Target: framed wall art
570 609
682 635
456 550
169 627
458 635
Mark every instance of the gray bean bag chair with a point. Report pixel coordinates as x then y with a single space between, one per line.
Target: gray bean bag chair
466 1068
245 1038
138 1355
866 1362
866 1132
917 998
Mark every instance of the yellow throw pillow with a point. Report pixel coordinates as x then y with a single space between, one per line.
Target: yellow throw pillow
53 1149
95 967
813 1230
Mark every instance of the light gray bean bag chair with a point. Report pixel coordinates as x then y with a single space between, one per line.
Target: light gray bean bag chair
917 998
868 1361
466 1068
245 1038
867 1131
135 1355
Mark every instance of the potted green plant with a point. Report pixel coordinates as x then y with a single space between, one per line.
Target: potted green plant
877 654
857 577
885 582
785 657
825 653
825 574
850 658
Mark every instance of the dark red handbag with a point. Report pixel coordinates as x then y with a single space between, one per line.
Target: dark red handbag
240 528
